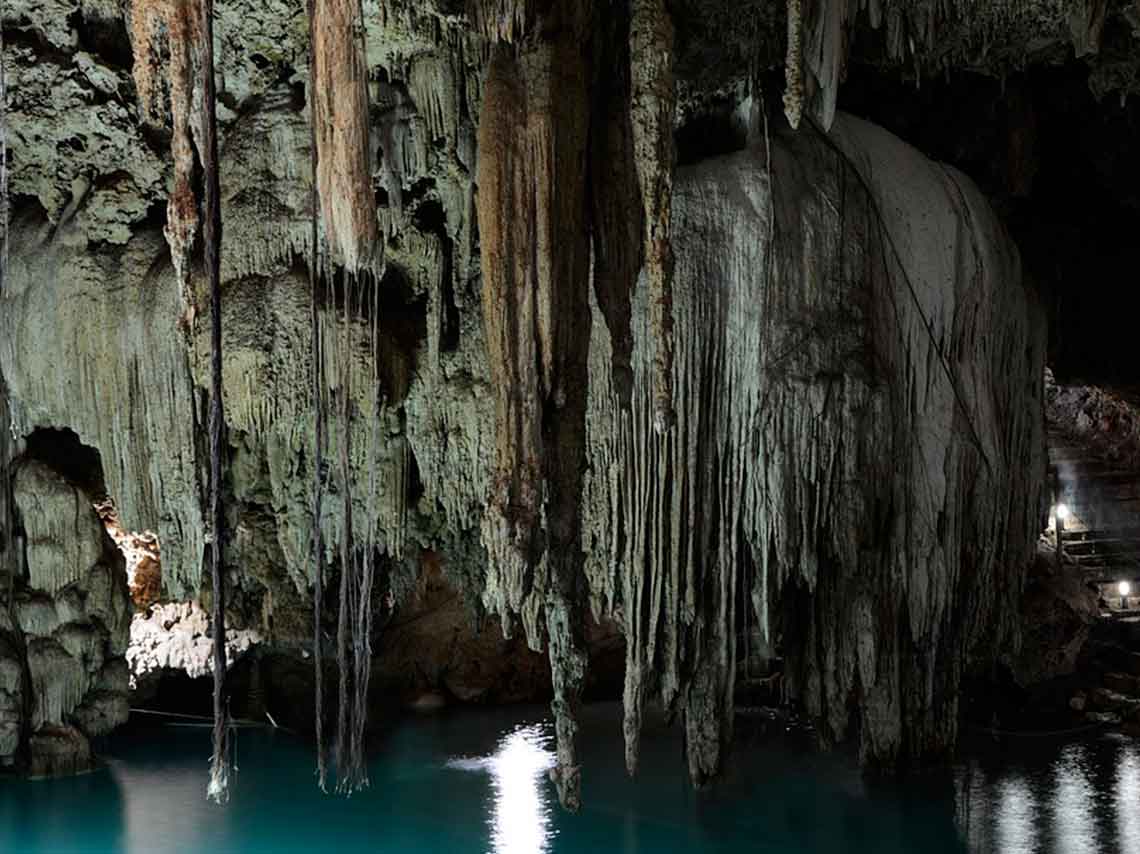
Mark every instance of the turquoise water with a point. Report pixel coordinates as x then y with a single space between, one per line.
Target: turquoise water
474 781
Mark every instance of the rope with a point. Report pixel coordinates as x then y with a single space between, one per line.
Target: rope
318 418
212 237
887 238
1054 733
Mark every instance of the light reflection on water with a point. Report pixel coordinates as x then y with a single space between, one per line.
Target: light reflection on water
1074 827
520 821
1078 798
1127 799
778 796
1016 818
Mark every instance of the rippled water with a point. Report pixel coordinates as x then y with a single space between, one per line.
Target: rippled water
475 781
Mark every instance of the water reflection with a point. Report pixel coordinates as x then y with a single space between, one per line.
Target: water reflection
520 821
1127 798
1052 798
1074 827
1016 822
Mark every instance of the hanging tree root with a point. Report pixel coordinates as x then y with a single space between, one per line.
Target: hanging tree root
220 766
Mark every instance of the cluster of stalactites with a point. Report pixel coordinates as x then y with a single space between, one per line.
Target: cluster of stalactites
340 122
569 161
179 22
531 172
818 39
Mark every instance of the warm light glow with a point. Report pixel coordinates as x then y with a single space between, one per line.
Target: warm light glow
520 821
1062 512
1125 588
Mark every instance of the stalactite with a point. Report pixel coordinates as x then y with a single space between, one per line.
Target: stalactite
793 65
616 210
3 172
340 113
7 520
183 26
652 108
803 481
503 20
220 764
531 173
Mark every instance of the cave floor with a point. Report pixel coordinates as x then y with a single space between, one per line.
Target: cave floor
474 781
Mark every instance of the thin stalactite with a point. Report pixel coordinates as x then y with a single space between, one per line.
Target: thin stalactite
220 765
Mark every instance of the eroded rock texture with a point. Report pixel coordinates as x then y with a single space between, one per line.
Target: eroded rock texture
855 368
62 663
843 459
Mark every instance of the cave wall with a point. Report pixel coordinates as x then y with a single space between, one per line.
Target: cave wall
857 373
63 635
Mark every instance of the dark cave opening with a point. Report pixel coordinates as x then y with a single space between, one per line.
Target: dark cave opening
63 452
1060 168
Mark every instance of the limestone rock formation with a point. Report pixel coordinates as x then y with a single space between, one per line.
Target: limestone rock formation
854 361
840 466
70 630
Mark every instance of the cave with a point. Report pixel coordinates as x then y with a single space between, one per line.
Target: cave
635 424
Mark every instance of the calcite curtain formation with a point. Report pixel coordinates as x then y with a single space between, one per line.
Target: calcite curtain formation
531 175
845 442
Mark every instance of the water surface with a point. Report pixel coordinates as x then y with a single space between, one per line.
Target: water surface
474 781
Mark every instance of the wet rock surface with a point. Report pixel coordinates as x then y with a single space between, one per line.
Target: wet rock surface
62 662
857 373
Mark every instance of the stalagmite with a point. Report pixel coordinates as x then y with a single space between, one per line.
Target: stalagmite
652 108
531 174
220 763
340 113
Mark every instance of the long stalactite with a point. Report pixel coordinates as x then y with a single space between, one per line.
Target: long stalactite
7 520
533 224
340 116
181 22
